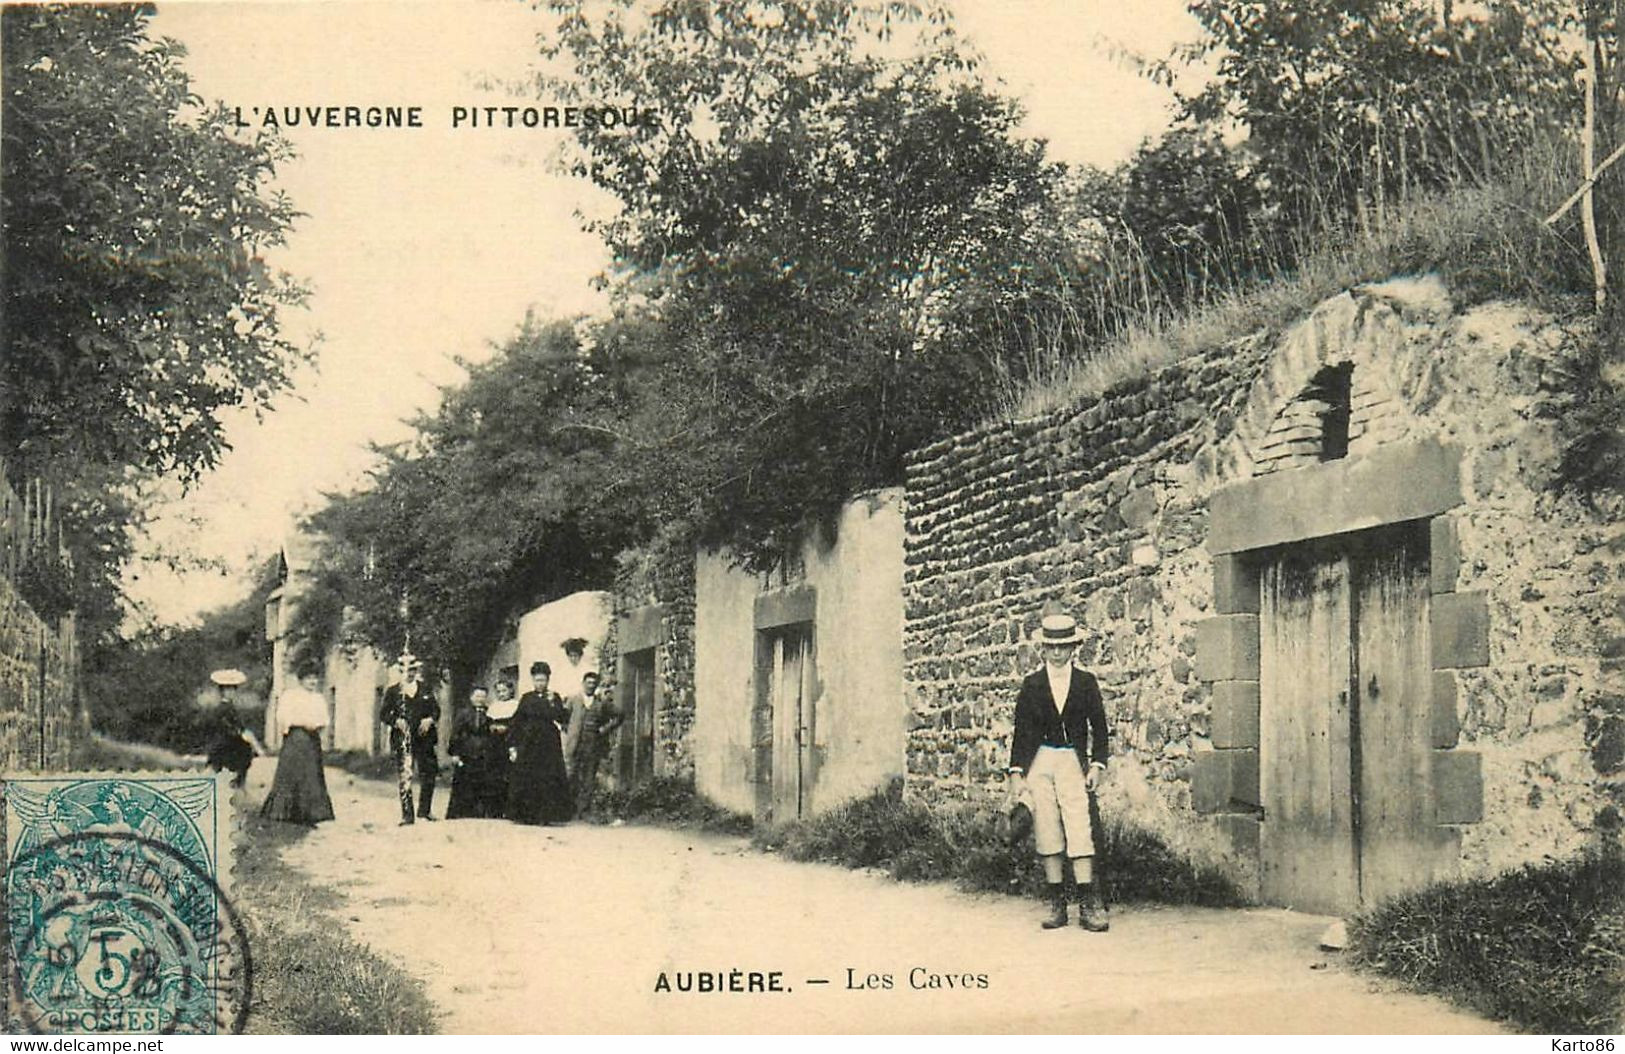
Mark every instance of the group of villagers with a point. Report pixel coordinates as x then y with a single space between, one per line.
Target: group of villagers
533 759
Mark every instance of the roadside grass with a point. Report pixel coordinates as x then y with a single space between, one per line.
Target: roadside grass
1541 947
971 846
915 843
668 802
310 978
362 764
102 752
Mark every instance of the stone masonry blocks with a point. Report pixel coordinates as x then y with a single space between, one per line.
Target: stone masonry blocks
1227 648
1336 496
1244 787
1458 786
1225 781
1460 627
1235 587
1444 549
1235 714
1446 725
1240 833
1210 781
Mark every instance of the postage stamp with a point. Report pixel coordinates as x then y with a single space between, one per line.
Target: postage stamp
118 914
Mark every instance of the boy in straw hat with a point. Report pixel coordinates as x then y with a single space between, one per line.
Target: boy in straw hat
1056 757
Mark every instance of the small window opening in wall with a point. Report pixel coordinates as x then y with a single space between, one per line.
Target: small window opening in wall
1334 386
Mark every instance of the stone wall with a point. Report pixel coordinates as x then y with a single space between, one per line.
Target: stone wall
354 679
836 607
42 724
653 607
1096 509
1106 510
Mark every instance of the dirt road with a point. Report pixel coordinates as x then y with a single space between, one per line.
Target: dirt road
570 929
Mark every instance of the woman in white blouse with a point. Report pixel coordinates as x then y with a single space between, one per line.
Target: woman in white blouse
299 791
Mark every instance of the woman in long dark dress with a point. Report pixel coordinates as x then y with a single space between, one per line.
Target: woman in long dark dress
299 789
538 787
230 747
473 744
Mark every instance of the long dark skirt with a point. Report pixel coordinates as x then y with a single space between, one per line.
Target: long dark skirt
299 789
230 752
479 788
538 788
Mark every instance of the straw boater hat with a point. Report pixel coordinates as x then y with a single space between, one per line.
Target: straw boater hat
1058 629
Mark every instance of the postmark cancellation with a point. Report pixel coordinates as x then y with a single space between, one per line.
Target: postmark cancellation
118 912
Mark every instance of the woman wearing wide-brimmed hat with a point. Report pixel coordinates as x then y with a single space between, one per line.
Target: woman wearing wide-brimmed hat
1056 757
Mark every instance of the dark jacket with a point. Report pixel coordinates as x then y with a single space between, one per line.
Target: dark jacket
414 710
1080 724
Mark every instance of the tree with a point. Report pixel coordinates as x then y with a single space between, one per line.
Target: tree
147 690
510 494
137 303
824 222
1353 104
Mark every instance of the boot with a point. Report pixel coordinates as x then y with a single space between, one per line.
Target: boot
1057 898
1092 909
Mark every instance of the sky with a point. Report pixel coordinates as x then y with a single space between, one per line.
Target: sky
422 245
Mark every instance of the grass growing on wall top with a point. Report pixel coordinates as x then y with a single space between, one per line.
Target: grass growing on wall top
1485 240
1542 947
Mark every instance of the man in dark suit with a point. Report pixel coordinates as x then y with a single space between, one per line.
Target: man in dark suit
413 714
1056 757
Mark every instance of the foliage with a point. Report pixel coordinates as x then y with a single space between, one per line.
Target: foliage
138 303
1485 242
510 494
1350 105
147 690
917 843
1322 133
666 800
826 223
46 582
310 977
1542 946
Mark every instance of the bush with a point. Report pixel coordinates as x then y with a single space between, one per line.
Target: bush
1542 946
668 800
916 843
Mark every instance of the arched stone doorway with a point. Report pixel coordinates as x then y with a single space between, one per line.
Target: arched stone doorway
1338 626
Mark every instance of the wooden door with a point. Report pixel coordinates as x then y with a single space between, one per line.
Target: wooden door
1345 728
330 733
636 696
643 765
786 674
1307 840
784 723
1400 845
